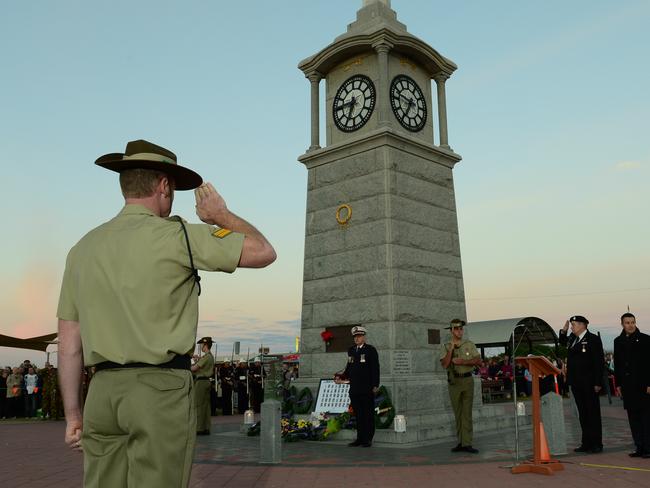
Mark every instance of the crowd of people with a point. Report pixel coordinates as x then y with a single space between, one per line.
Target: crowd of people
27 391
498 372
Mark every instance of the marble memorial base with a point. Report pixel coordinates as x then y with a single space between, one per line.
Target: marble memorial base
424 401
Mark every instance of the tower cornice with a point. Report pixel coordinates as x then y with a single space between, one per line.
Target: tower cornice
378 138
406 44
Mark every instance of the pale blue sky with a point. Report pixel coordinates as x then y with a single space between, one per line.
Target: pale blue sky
549 109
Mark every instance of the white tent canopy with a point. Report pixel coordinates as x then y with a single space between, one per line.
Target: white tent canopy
498 333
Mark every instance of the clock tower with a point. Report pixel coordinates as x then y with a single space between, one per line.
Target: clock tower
381 244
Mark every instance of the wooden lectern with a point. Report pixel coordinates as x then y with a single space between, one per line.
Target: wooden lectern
538 366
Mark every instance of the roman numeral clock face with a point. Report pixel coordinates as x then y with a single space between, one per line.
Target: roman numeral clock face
354 103
408 103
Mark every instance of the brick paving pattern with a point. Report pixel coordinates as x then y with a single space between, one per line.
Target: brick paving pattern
33 455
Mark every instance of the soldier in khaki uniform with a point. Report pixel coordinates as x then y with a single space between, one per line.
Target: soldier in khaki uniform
459 357
203 369
129 307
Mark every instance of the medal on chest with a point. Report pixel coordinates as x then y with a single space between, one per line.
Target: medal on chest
362 359
584 347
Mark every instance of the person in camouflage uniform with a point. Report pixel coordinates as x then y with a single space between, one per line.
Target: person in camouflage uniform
52 405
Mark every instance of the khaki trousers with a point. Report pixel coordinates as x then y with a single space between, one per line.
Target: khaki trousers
461 394
139 429
202 402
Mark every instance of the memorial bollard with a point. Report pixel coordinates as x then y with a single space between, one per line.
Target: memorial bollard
271 414
553 420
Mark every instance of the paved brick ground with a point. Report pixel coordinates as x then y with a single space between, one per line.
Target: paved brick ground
33 455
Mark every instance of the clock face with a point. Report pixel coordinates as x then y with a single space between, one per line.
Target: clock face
354 103
408 103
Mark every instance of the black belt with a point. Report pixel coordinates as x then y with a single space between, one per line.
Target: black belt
178 362
464 375
202 378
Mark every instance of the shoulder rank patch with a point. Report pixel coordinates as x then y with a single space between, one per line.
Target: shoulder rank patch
221 233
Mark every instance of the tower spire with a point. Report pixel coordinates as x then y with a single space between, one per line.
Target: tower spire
370 2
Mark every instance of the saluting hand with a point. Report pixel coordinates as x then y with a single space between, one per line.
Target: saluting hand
210 206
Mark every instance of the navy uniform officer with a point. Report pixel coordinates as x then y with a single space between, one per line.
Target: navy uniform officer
226 380
363 372
203 369
585 363
256 378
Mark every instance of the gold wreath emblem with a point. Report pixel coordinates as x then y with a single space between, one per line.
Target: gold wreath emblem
343 219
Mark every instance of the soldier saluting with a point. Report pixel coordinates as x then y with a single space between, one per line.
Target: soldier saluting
459 357
585 363
129 307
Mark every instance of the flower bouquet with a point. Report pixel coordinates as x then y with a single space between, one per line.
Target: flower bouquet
327 337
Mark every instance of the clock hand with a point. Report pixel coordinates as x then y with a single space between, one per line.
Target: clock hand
405 98
352 104
343 105
411 105
410 101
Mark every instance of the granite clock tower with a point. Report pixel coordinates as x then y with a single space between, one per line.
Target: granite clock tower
381 245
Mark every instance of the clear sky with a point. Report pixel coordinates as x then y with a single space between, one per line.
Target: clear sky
549 109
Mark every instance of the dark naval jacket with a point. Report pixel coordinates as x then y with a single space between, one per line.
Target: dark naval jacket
632 368
585 360
362 369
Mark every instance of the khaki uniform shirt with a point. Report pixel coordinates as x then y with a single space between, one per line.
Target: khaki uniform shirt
128 283
465 350
206 366
13 381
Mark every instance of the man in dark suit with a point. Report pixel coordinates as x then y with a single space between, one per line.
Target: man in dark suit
363 372
632 371
585 363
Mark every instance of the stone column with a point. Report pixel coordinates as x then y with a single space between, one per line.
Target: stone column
314 79
441 78
382 47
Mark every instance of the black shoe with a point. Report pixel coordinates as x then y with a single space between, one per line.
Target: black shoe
636 454
366 444
596 450
458 448
203 432
470 449
581 449
354 444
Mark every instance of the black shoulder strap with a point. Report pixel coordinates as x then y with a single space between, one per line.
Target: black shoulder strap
195 272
